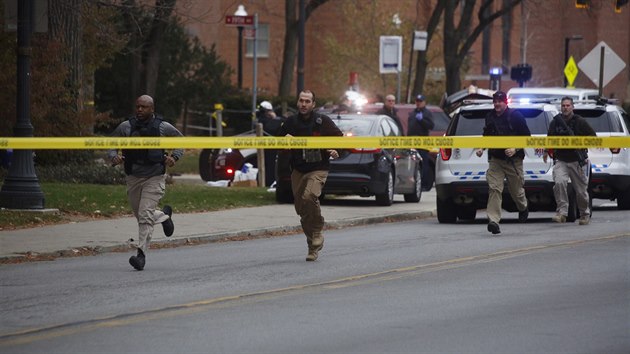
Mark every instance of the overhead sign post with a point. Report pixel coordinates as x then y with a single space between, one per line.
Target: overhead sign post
418 43
592 63
390 57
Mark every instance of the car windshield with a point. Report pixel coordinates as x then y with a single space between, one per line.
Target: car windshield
601 121
471 122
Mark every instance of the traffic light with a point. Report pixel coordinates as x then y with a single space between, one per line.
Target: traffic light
619 4
521 73
581 4
495 78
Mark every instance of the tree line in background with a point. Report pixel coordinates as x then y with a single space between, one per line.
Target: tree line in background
449 23
98 55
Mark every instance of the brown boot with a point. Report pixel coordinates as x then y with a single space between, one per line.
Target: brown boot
312 256
314 248
559 218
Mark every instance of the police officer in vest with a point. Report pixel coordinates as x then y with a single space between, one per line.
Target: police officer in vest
146 174
504 164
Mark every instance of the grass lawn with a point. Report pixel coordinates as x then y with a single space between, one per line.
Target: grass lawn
91 201
188 164
80 202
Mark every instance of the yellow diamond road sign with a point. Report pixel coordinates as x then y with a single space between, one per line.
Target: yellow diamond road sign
571 71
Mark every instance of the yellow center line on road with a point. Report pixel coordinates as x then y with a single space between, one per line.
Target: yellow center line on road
72 328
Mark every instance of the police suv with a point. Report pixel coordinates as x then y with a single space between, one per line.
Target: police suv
460 179
610 177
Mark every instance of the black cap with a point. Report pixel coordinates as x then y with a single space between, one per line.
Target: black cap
499 96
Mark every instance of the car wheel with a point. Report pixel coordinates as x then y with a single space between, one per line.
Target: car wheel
446 211
623 200
205 164
387 198
417 192
467 214
429 179
573 213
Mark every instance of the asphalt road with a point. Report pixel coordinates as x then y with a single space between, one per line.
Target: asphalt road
415 286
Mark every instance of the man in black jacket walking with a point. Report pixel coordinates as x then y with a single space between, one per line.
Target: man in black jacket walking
504 163
570 164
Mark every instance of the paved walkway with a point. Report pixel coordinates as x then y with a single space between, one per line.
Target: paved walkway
112 235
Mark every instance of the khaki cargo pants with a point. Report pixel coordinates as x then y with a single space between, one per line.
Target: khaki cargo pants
307 187
578 175
498 170
144 194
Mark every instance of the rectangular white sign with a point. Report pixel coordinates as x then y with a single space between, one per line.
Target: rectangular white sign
390 58
420 40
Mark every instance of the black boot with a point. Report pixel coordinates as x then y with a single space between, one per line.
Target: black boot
137 261
168 225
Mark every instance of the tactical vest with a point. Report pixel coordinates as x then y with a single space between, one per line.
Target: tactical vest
145 157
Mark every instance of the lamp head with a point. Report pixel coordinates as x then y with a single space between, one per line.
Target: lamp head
240 11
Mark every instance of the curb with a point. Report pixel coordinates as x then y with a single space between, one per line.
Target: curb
240 235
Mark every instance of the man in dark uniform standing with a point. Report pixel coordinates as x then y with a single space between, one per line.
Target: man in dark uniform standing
419 123
504 163
309 169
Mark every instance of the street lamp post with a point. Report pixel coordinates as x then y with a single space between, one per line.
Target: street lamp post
575 37
21 189
240 11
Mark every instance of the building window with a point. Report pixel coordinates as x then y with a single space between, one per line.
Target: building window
262 50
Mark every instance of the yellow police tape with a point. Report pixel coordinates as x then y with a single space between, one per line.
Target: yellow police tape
423 142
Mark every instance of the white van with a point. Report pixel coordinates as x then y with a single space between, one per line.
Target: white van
526 94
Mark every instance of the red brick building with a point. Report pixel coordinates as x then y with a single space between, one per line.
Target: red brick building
535 32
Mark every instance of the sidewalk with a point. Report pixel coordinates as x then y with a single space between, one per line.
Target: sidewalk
112 235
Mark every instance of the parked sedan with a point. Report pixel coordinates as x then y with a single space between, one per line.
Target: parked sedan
440 119
365 172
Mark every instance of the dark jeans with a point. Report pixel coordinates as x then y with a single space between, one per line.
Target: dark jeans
270 166
425 168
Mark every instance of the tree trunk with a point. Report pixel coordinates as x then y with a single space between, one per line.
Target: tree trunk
458 40
135 57
163 10
65 27
421 60
290 45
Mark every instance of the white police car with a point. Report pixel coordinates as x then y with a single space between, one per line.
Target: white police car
610 178
527 94
461 175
